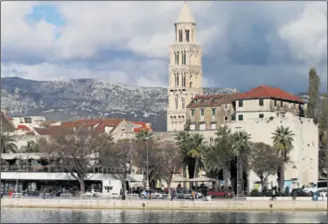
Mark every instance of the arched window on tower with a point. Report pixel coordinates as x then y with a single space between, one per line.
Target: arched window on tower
177 82
176 103
190 84
184 80
187 35
184 57
177 62
180 35
176 33
183 103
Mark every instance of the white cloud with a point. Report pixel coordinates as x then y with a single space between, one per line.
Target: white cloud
147 29
307 35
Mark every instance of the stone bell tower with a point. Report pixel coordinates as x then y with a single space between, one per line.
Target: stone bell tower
185 70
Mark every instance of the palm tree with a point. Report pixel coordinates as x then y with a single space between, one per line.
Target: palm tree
144 135
241 148
183 140
32 146
8 144
225 154
283 143
196 151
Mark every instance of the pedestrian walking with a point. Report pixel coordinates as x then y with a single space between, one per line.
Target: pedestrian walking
192 195
274 194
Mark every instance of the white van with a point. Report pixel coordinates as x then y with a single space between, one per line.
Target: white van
314 187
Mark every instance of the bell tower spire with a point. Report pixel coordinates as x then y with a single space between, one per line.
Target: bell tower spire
185 70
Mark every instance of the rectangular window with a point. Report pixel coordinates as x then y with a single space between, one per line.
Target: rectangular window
261 115
202 126
275 103
192 113
192 127
213 126
240 117
180 35
233 117
201 112
226 106
240 103
213 111
281 103
261 102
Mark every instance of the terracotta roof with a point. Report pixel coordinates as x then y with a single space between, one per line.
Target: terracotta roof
139 126
212 100
23 127
269 92
98 125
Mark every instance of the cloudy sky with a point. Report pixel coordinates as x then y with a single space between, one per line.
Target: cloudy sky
244 44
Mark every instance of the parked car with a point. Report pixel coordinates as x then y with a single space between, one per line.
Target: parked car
154 194
186 194
220 194
299 192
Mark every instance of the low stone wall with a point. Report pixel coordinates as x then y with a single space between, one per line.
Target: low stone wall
217 205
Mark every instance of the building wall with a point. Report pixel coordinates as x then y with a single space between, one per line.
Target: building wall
304 155
222 116
251 108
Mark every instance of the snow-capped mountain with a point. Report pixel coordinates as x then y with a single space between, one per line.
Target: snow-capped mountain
87 98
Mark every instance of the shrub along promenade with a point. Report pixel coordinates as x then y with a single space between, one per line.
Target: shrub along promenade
214 205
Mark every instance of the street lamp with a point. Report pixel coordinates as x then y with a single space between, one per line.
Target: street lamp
147 162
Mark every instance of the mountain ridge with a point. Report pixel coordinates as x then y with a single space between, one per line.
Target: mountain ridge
87 98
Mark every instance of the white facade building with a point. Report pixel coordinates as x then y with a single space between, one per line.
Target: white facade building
304 156
185 70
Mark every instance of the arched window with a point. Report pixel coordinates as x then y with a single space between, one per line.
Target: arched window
180 35
184 80
177 59
183 103
187 35
190 84
177 82
184 57
176 103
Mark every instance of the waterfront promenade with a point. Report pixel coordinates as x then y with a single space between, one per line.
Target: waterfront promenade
214 205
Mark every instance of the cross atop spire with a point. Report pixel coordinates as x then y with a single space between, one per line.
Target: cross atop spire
185 15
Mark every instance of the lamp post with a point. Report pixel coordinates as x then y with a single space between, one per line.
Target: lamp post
147 162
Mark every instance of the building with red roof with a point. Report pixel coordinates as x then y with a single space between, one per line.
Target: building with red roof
208 112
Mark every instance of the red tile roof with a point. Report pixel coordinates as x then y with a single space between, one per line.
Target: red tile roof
269 92
212 100
23 127
139 126
98 125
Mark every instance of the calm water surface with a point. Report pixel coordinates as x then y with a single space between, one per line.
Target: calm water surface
15 215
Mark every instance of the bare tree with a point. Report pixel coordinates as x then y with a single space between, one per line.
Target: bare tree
76 151
119 158
147 158
264 161
170 161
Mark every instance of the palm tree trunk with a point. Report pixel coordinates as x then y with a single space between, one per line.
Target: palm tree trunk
196 170
184 175
282 179
226 177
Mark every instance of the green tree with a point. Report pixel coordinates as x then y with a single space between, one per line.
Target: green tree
264 161
31 147
8 144
283 143
196 151
184 140
314 85
225 152
144 135
241 148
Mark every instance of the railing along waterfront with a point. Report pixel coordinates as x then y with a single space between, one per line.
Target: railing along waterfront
54 169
